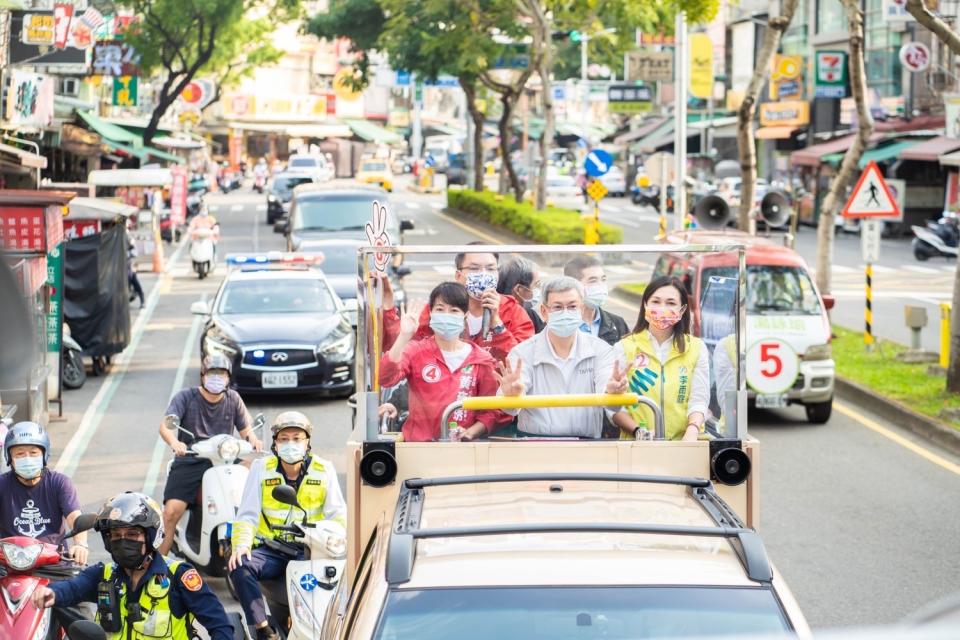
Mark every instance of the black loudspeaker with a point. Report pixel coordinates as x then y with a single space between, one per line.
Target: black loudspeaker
729 464
775 209
378 466
712 212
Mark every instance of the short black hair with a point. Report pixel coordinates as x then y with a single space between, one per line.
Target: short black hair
458 261
517 271
453 293
578 265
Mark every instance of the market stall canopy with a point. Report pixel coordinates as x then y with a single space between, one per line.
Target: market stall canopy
813 155
878 154
130 178
951 159
116 137
931 150
372 132
99 209
642 131
24 158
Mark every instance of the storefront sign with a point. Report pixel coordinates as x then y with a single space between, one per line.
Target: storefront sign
73 229
125 91
310 108
30 228
55 288
701 66
951 102
786 80
115 58
896 11
198 94
178 195
627 98
81 33
30 99
915 57
68 59
650 66
38 29
789 113
831 75
646 39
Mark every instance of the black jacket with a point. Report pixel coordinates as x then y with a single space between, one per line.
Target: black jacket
612 327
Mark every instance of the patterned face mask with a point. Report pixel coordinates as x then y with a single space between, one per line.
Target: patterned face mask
477 283
662 319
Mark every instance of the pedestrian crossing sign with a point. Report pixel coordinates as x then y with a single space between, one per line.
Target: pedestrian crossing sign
872 197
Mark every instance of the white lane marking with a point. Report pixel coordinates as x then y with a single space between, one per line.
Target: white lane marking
929 297
839 268
411 205
919 269
949 268
214 207
160 448
436 205
878 268
261 207
236 207
93 416
256 233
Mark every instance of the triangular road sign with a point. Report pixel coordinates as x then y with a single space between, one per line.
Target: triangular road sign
871 198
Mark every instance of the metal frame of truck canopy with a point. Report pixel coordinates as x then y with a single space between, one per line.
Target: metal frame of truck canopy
371 506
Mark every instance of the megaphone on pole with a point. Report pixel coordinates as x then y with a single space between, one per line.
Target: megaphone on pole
712 212
775 209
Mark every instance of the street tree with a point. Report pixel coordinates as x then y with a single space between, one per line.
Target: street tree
838 187
776 26
951 39
178 39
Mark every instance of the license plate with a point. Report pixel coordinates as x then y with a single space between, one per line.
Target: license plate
279 380
771 401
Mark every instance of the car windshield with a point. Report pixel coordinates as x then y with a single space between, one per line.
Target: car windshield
339 260
773 289
332 214
286 184
304 162
374 166
276 296
559 613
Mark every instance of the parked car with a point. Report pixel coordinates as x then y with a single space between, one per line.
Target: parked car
615 182
313 164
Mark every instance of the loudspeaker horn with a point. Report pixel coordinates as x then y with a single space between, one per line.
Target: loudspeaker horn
775 209
712 212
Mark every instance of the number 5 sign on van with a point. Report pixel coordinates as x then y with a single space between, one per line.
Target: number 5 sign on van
772 368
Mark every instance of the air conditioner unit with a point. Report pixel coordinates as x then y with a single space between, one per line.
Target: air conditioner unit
939 80
69 87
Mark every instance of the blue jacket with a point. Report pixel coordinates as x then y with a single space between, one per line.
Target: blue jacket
201 602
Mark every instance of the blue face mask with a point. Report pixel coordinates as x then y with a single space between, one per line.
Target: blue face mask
29 467
564 324
446 325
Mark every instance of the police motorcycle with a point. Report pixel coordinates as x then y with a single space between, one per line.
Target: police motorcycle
203 533
939 238
302 596
27 564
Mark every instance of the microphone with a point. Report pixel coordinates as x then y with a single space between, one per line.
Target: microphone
485 327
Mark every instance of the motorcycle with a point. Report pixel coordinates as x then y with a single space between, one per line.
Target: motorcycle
259 182
26 564
202 251
203 533
302 596
74 372
939 238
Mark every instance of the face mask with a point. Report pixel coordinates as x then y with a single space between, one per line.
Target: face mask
128 553
477 283
662 319
595 295
536 297
446 325
291 452
214 383
564 324
29 467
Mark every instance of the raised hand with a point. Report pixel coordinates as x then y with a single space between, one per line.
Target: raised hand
377 235
510 379
618 379
410 321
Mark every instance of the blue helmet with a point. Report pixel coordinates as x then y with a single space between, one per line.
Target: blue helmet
27 433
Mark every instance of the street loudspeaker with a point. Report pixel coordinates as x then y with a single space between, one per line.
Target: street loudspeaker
378 466
712 212
775 209
729 465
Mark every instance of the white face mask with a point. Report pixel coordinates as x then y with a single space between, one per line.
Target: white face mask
291 452
595 295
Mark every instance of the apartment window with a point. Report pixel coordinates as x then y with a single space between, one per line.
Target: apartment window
830 16
882 47
794 41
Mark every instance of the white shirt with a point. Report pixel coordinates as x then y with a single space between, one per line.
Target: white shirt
455 358
474 324
700 384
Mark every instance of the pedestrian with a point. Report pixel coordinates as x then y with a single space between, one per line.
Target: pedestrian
133 282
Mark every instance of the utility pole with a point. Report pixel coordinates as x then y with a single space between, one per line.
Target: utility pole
681 74
585 106
416 134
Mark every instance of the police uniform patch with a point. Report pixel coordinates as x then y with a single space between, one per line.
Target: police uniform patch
311 481
191 580
271 481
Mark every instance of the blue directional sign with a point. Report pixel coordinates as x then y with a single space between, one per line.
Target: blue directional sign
598 162
429 161
308 582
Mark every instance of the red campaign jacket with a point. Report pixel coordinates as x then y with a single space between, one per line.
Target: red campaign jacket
433 387
517 328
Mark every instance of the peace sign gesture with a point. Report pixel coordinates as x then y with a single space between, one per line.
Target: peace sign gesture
618 379
377 235
510 379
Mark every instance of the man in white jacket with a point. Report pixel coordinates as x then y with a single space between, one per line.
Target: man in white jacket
318 493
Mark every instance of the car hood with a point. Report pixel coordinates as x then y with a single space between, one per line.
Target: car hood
278 327
344 284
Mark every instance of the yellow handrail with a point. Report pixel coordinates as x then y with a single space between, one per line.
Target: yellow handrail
489 403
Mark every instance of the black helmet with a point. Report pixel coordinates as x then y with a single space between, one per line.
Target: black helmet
217 361
131 509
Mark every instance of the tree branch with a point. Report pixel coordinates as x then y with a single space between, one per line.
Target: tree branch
931 21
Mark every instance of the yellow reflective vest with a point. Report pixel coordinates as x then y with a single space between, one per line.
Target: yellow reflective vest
668 384
156 618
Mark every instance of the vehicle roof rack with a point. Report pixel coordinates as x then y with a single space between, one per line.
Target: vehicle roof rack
402 549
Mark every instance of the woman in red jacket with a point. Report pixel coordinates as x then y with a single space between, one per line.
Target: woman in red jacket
440 369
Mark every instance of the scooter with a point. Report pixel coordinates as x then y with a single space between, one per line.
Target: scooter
647 196
203 533
26 564
303 595
202 251
259 182
74 372
936 239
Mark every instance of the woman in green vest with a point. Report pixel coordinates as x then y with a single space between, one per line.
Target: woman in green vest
666 364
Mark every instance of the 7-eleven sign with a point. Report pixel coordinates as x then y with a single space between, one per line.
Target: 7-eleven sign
831 76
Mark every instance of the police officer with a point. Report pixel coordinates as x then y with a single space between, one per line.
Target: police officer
139 596
318 492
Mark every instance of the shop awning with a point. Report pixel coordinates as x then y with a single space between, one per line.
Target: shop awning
878 154
372 132
110 131
142 153
99 209
641 132
24 158
951 159
318 131
775 133
931 150
811 156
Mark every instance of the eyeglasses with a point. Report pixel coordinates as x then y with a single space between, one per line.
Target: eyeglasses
476 269
295 440
555 308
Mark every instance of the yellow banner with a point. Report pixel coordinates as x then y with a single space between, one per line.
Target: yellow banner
701 66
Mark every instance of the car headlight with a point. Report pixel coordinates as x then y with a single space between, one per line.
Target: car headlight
339 349
229 450
271 198
212 345
818 352
21 558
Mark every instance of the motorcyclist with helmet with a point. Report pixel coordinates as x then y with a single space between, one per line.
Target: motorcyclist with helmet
318 493
205 411
140 596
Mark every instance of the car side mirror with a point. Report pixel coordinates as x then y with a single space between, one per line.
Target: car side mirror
406 225
285 494
200 308
83 522
829 301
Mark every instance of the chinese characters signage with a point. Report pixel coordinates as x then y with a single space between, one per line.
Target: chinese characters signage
125 91
789 113
55 287
30 229
650 66
629 99
178 195
38 29
115 58
30 99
